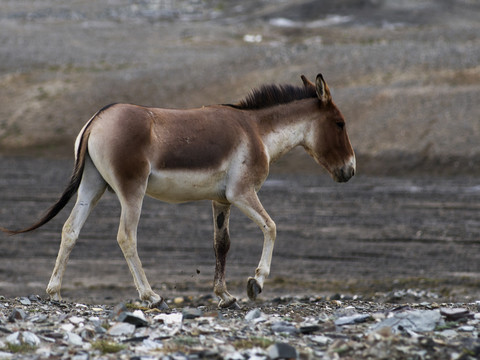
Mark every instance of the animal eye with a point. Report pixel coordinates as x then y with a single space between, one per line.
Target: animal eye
340 124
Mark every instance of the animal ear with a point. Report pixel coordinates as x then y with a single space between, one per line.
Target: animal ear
323 92
307 82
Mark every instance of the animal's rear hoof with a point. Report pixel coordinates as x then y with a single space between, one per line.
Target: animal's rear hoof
161 305
253 289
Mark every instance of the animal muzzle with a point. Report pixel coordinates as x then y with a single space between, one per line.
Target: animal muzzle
346 171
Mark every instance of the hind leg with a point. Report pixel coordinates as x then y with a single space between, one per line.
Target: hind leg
131 203
90 191
221 245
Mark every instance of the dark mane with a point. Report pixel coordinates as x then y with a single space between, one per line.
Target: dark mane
270 95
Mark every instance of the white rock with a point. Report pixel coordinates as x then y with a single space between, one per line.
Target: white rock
121 329
169 319
76 320
67 327
30 338
13 339
321 339
73 339
140 314
466 328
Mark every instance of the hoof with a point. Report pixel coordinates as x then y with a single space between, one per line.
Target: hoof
253 289
231 304
161 305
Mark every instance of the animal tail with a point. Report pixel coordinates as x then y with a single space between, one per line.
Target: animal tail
73 185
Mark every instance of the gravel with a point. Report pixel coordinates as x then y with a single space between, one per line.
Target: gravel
280 328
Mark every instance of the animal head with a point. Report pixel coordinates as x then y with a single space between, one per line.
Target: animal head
327 141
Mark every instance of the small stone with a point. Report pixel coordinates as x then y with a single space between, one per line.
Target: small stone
121 329
30 338
308 329
81 356
414 320
14 338
281 351
178 300
191 313
117 310
284 327
169 319
352 319
253 314
136 318
466 328
449 333
455 313
34 298
17 314
234 355
321 339
76 320
67 327
73 339
25 301
88 332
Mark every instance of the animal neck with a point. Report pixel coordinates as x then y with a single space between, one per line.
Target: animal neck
284 127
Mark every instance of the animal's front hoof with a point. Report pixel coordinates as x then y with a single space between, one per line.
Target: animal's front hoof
160 305
253 289
230 304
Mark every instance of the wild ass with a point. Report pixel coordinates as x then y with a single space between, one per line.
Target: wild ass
220 153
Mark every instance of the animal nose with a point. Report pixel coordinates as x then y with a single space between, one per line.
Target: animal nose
344 173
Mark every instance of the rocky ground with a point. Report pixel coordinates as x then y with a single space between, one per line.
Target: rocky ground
282 328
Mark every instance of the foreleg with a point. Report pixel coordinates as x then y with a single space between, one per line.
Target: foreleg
250 205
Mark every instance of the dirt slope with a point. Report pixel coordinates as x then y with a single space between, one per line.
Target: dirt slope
406 74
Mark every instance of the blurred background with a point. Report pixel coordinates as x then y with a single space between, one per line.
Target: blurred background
405 73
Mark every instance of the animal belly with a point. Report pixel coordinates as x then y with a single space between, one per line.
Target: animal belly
176 186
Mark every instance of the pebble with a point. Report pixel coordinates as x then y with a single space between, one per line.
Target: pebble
253 314
30 338
73 339
191 313
284 327
413 320
352 319
455 313
281 351
121 329
25 301
136 318
17 314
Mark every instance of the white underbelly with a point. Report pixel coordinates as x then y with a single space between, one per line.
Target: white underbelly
176 186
